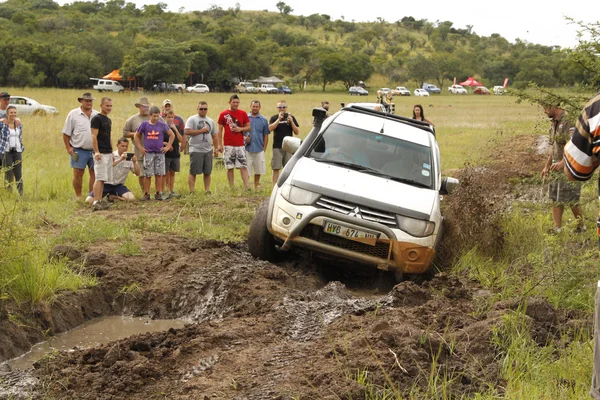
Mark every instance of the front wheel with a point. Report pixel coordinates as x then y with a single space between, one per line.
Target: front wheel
260 241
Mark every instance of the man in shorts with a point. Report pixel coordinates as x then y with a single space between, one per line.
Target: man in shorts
77 137
560 189
172 157
122 165
101 126
257 142
153 150
281 124
201 134
235 124
130 128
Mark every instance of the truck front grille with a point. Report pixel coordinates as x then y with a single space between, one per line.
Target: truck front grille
368 214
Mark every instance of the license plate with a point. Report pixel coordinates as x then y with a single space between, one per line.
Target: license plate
357 235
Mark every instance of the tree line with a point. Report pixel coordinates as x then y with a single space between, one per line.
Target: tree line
63 46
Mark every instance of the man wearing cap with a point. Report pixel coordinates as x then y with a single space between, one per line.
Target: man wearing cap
77 137
172 157
130 128
4 100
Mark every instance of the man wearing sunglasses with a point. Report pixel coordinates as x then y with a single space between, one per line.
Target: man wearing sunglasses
281 124
201 133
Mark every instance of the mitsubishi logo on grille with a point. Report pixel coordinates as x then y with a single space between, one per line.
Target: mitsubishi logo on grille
355 212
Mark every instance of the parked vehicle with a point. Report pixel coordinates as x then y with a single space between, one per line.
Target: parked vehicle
179 86
457 89
28 106
107 85
268 88
365 187
246 87
481 90
357 91
284 90
431 88
400 91
385 90
198 88
421 93
499 90
163 87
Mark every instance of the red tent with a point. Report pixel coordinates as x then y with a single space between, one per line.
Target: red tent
471 82
115 76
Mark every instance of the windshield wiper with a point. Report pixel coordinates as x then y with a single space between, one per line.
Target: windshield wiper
397 179
343 163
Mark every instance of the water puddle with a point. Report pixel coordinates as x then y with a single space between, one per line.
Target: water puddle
94 333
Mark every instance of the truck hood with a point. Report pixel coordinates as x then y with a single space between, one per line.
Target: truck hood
364 189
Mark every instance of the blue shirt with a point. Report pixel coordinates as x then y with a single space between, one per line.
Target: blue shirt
260 127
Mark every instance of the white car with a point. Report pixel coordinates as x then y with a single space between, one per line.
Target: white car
364 187
107 85
385 90
400 91
421 93
457 89
27 106
198 88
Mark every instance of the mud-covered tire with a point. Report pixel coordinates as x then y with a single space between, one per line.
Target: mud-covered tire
260 241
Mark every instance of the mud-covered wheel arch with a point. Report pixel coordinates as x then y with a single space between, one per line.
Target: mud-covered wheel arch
260 241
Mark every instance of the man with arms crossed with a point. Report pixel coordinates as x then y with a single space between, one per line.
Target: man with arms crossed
282 124
201 134
235 123
77 137
103 160
131 126
258 138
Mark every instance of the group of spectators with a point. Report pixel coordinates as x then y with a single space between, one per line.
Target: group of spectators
160 137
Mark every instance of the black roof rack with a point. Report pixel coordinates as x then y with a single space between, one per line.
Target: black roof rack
412 122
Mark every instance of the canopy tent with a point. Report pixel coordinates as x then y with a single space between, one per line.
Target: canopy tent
115 75
471 82
268 79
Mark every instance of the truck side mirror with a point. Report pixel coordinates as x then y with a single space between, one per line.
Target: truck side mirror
449 185
291 144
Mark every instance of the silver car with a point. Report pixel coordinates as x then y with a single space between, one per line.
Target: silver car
28 106
364 187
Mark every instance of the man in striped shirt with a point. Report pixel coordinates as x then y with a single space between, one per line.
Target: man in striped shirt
581 160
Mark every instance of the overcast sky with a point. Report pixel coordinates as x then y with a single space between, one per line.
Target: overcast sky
533 21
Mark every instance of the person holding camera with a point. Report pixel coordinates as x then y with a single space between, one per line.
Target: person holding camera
123 163
11 158
281 124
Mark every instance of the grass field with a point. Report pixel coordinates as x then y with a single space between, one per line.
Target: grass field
469 130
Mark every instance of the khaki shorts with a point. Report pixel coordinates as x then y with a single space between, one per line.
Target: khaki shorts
103 168
564 192
280 158
234 157
257 162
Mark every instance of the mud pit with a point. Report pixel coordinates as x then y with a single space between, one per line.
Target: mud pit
263 331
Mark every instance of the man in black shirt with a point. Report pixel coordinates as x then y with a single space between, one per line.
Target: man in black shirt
282 124
103 160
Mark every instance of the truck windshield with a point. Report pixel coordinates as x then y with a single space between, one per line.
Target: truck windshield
376 154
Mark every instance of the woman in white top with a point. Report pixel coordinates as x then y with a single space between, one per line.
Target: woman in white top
12 159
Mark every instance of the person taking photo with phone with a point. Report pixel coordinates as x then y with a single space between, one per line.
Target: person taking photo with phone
123 163
281 124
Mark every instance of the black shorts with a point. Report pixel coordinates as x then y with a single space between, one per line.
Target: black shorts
172 164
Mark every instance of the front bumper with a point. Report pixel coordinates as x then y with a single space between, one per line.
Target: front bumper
388 253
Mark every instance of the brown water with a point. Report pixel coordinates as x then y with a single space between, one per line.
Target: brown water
93 333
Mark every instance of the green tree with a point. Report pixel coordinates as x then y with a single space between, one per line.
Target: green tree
420 69
331 68
357 67
284 8
158 60
23 74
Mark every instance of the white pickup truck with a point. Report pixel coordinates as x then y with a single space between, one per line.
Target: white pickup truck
457 89
268 88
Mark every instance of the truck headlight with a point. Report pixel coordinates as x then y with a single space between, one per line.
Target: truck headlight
415 227
298 196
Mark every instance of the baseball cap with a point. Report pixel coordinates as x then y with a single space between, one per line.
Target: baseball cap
167 101
4 95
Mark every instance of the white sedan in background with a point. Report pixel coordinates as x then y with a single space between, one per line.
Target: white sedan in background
198 88
27 106
421 92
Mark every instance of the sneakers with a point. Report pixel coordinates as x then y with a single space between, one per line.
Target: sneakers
145 197
174 195
100 205
161 196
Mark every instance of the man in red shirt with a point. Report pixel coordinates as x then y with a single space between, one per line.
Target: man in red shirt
236 124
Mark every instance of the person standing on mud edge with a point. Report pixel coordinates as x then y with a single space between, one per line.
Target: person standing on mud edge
103 158
581 160
130 128
77 137
235 123
560 190
281 124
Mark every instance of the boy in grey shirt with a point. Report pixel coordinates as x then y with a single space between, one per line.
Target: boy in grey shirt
201 133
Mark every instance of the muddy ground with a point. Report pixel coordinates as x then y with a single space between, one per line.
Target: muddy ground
293 330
